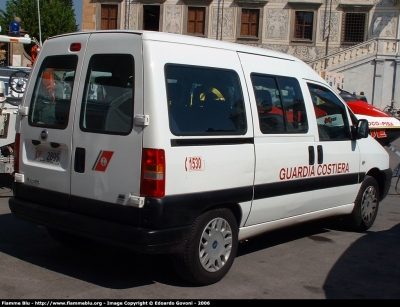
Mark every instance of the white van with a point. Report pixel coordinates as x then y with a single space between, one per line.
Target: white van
188 146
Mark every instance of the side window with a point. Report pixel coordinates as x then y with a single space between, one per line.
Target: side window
109 14
51 98
196 20
249 24
204 101
107 105
304 26
354 27
331 114
280 104
151 17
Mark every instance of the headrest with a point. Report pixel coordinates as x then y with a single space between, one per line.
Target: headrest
204 93
263 97
264 101
109 80
69 78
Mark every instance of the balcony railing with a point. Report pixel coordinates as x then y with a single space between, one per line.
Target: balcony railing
377 47
356 3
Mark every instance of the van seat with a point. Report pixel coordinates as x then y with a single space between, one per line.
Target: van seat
264 101
120 114
212 116
61 111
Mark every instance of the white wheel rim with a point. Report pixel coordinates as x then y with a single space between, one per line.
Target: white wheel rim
215 245
368 204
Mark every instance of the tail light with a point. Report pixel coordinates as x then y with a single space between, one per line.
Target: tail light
16 152
75 47
153 173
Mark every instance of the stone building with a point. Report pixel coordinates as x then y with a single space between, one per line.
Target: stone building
307 29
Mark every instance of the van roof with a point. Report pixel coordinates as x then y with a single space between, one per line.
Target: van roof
193 40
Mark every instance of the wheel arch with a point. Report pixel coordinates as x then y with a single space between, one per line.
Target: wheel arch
233 207
380 179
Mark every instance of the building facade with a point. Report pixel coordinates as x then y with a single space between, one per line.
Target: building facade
307 29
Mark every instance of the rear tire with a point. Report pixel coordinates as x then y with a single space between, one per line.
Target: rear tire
366 206
68 239
210 249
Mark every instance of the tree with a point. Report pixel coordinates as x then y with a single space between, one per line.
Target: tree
56 17
68 2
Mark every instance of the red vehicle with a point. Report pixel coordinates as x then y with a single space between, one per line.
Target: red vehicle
384 127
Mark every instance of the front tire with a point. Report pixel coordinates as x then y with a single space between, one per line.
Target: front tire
366 205
210 250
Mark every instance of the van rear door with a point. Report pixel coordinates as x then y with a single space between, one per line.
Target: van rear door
79 140
46 131
106 145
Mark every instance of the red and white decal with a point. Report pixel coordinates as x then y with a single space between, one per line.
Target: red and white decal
306 171
194 164
102 160
378 134
380 123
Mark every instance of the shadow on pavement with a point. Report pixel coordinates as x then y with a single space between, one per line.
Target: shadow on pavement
369 269
109 266
103 265
6 181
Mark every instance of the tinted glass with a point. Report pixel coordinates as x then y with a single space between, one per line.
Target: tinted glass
280 104
331 114
51 98
204 101
107 105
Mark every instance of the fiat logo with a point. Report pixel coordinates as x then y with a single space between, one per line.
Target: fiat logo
44 134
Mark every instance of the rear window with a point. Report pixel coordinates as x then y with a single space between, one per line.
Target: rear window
107 105
204 101
51 98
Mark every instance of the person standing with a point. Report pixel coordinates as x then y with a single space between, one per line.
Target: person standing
362 97
34 54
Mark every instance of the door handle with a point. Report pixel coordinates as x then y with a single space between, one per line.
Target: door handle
79 163
320 154
311 155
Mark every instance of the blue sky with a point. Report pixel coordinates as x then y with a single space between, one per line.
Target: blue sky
77 7
78 12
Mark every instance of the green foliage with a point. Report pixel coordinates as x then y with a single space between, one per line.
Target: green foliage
56 17
68 2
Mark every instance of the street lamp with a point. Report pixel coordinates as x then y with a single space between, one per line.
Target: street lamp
40 30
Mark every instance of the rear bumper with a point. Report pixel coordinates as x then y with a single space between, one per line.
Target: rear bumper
150 241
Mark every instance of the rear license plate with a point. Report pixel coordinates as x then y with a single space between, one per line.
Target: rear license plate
48 156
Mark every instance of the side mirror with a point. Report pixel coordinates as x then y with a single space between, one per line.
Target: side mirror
362 129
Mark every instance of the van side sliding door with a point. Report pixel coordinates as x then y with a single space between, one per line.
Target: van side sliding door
284 142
